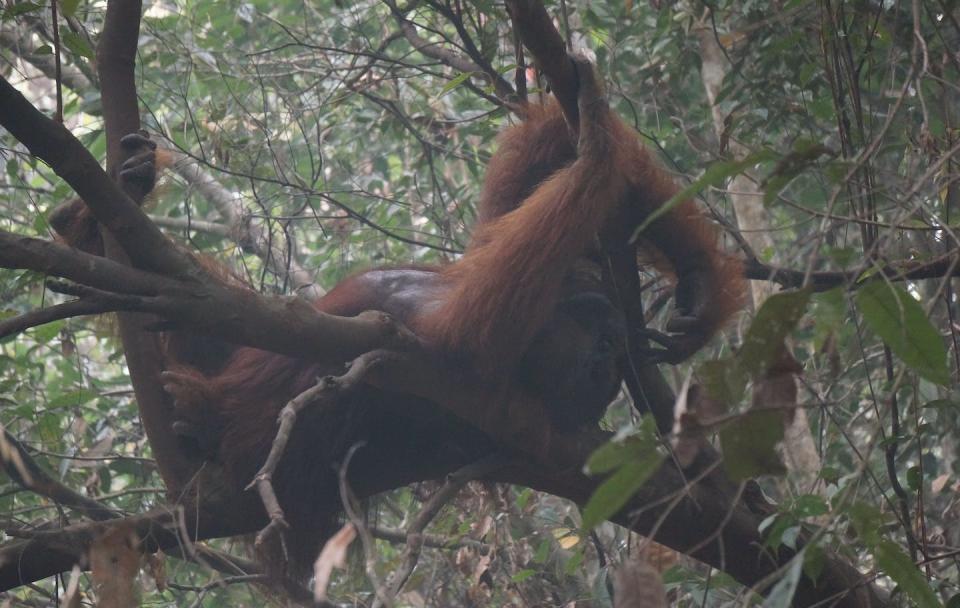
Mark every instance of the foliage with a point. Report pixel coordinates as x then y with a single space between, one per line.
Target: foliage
349 147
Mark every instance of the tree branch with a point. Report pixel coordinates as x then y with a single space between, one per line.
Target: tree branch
66 310
823 280
239 228
538 34
447 57
21 43
415 531
231 311
24 471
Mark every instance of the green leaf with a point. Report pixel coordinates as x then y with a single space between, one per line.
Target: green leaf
523 497
20 8
914 478
106 478
543 552
830 474
716 174
614 493
842 256
723 379
900 321
77 44
40 225
123 466
573 563
821 107
777 317
814 560
828 312
810 505
76 397
775 528
454 83
69 7
867 520
523 575
804 153
617 452
749 444
897 564
48 425
47 332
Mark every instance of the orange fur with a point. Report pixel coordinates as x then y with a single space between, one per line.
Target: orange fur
543 203
503 289
545 198
540 209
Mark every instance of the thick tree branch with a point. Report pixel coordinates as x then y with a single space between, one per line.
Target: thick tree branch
703 510
116 62
538 34
289 325
29 253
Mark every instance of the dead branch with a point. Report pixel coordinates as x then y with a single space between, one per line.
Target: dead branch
324 394
434 541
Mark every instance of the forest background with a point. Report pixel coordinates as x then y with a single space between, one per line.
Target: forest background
316 139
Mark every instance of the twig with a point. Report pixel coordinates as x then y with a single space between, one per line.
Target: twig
826 279
434 541
450 58
24 470
325 393
349 502
244 233
66 310
55 24
414 534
